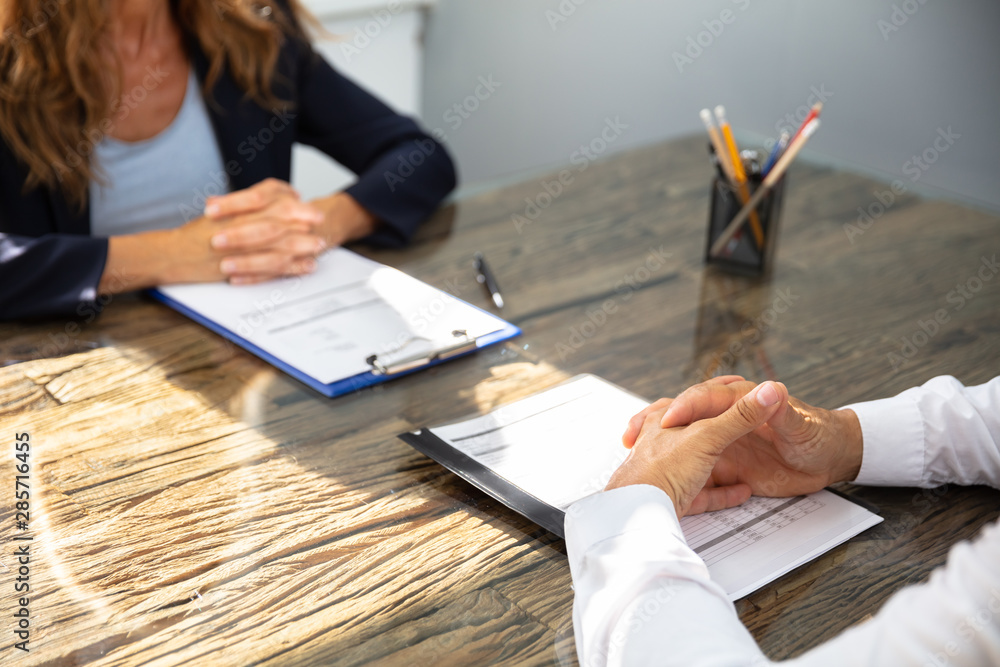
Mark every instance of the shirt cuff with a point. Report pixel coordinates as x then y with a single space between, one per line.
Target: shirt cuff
639 509
623 546
893 440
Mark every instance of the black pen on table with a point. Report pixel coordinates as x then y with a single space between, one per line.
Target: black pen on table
485 277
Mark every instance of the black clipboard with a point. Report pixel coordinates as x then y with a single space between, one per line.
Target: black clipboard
486 480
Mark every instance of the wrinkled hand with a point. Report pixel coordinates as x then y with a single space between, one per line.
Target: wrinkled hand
636 422
265 232
681 459
799 450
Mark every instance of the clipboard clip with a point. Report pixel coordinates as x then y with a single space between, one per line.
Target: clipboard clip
407 358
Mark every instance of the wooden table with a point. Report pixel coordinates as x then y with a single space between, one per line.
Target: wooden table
191 505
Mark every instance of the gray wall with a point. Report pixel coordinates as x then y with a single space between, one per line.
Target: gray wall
889 91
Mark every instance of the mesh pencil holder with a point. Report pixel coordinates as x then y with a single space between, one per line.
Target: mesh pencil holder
746 253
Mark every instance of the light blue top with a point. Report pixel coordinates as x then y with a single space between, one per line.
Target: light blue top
161 182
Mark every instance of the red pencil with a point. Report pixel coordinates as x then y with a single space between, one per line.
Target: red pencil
813 113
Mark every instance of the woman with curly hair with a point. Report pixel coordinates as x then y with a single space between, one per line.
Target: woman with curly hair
118 116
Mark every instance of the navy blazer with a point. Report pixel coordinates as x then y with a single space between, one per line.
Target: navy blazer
50 265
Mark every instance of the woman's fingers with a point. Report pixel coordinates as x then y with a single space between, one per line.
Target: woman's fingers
251 199
249 280
266 265
302 244
259 232
261 217
292 244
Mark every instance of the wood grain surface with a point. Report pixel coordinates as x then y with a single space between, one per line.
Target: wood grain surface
192 505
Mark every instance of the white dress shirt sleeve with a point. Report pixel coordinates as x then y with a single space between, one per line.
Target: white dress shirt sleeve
938 433
644 597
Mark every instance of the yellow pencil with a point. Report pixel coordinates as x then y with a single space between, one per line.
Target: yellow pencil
739 173
765 186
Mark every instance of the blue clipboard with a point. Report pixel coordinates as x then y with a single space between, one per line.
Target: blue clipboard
379 373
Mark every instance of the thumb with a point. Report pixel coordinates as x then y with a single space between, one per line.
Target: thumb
746 414
788 421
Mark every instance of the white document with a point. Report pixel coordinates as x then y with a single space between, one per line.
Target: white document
329 323
558 445
563 444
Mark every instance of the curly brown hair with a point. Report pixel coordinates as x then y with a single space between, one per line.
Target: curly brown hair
54 87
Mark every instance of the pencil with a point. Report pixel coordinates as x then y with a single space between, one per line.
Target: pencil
779 168
721 153
813 113
775 154
739 173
